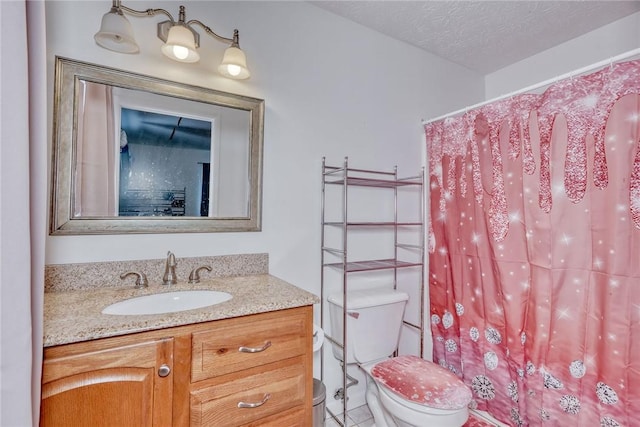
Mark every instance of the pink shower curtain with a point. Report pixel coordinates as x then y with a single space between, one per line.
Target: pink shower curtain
534 241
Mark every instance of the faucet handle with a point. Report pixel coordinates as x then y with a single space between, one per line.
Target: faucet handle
141 279
194 277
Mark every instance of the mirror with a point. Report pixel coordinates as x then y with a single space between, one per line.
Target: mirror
137 154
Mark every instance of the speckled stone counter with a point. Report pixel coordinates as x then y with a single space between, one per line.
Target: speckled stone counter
75 315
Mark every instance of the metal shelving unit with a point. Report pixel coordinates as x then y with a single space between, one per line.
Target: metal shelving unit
345 178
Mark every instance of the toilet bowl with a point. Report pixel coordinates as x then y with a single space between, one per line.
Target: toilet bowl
404 391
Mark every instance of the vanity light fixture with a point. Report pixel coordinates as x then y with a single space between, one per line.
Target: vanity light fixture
181 41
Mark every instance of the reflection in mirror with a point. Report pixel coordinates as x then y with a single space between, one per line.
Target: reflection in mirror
159 151
165 164
148 155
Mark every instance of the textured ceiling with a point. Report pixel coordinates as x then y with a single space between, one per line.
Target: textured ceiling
483 36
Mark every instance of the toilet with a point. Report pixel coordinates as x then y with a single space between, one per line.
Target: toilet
403 391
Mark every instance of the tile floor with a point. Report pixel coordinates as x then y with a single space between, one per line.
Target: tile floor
358 417
361 417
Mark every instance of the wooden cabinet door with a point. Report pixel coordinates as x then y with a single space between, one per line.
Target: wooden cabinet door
86 384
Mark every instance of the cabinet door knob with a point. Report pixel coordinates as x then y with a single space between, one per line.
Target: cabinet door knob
164 371
266 397
266 345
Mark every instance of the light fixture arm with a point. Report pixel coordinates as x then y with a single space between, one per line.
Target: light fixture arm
119 7
148 12
232 41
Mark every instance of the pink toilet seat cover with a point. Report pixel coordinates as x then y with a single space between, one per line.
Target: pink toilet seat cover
423 382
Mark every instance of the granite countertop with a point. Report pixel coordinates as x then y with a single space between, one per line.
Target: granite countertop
76 315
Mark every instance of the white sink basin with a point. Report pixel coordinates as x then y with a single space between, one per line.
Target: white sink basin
169 302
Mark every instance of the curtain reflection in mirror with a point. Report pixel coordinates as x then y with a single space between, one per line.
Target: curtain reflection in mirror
95 179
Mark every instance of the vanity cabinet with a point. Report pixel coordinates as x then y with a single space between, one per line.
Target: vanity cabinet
254 370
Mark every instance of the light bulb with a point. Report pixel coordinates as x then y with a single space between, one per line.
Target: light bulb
180 44
234 64
180 52
234 70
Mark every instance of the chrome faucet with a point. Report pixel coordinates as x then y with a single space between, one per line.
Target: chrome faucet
170 277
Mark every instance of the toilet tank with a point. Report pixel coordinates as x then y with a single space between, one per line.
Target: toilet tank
374 319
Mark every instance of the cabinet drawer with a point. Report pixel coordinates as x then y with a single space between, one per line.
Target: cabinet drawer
277 389
243 343
293 418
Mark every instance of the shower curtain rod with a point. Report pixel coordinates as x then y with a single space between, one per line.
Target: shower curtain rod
541 84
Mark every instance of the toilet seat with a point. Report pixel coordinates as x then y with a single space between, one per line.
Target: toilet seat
419 384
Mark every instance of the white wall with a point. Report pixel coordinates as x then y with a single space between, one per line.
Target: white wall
601 44
331 87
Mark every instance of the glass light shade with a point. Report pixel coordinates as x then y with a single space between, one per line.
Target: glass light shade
181 45
116 34
234 64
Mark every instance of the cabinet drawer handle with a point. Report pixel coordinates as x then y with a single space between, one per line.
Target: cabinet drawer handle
266 345
164 371
255 405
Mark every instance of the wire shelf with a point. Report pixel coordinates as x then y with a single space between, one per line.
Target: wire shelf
373 224
372 182
371 265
